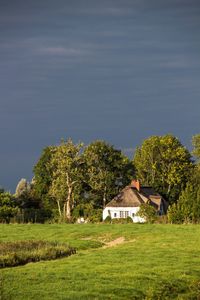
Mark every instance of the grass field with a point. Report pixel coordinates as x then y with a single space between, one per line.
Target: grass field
154 262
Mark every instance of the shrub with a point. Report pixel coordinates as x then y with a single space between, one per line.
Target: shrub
129 220
187 209
22 252
148 212
8 207
88 212
107 219
122 220
175 214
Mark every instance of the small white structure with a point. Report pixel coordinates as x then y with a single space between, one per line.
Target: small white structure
127 203
123 212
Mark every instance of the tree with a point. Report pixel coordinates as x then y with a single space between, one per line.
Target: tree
164 163
108 170
22 188
43 177
196 146
187 208
8 207
66 169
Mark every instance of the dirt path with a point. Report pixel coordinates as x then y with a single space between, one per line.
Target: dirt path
116 242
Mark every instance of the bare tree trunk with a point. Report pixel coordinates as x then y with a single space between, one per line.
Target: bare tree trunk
104 198
169 189
59 210
68 203
64 209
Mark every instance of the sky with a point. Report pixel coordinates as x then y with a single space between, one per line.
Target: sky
117 70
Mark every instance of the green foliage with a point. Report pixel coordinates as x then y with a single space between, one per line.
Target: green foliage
175 214
164 163
129 220
107 170
32 215
43 178
108 219
187 209
196 146
148 212
88 212
8 207
66 165
22 252
42 172
122 220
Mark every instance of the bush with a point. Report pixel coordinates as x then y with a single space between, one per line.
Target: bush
31 215
129 220
96 217
88 212
175 214
22 252
187 209
122 220
8 207
148 212
108 219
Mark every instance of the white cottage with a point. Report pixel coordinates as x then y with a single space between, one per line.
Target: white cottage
127 203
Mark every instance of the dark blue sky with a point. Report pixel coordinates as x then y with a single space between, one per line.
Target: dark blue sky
114 70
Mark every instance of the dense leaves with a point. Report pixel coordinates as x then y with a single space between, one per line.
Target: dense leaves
43 178
196 146
8 207
164 163
187 209
108 170
66 167
72 181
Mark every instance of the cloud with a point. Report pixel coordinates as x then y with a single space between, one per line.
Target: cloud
106 11
62 51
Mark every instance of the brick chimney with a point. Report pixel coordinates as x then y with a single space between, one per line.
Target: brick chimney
135 184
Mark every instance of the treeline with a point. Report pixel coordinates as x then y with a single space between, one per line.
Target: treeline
72 180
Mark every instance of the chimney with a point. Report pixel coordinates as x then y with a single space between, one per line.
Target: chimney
135 184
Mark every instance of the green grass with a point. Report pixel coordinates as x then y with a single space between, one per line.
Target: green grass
155 262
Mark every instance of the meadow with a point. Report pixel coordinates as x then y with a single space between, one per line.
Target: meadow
152 261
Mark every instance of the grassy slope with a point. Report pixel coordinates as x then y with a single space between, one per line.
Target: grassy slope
156 262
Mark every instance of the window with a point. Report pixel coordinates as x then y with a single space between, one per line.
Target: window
123 214
126 214
115 215
133 215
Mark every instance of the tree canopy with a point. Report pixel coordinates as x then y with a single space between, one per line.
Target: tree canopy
196 146
164 163
66 169
107 170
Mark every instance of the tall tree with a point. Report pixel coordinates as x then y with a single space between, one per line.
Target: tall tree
187 208
107 170
22 188
164 163
43 177
196 146
66 167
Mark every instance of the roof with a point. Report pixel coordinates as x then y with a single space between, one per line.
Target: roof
128 197
131 197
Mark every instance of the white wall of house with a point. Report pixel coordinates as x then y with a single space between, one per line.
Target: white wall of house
123 212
